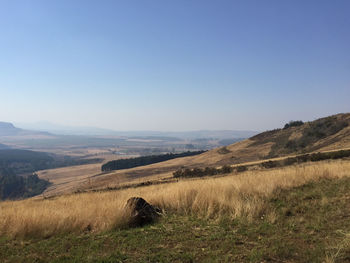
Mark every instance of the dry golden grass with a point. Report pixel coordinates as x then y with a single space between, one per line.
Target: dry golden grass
337 249
66 179
242 195
240 153
158 171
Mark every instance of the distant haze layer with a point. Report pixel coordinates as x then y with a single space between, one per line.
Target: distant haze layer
71 130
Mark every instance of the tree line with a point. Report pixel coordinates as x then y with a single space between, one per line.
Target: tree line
144 160
16 187
17 167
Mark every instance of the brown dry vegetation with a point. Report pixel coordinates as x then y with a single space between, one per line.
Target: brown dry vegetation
253 150
242 195
66 179
260 147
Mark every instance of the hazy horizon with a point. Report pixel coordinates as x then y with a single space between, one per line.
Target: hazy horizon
47 125
173 66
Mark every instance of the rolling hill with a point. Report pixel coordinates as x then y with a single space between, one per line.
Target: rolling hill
325 134
280 214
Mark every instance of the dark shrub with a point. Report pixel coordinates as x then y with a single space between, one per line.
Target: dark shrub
291 145
178 173
224 150
226 169
210 171
241 168
187 173
289 161
196 172
293 124
269 164
302 158
318 157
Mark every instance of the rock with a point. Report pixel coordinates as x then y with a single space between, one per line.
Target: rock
141 212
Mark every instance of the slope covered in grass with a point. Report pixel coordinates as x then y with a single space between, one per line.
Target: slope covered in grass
310 136
325 134
237 196
308 223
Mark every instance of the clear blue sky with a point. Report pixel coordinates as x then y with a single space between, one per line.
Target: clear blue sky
174 65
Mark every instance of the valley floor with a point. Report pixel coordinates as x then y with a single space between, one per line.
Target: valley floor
308 223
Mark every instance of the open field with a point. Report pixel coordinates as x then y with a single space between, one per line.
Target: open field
235 196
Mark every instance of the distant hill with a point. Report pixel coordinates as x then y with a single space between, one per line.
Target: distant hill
329 133
9 130
325 134
296 137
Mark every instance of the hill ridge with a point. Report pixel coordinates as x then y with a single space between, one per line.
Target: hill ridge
263 146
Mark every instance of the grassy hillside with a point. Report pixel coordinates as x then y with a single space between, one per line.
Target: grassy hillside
282 215
296 213
300 231
326 134
332 133
235 196
311 136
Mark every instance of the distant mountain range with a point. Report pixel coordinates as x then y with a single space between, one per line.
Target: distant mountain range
91 131
8 129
